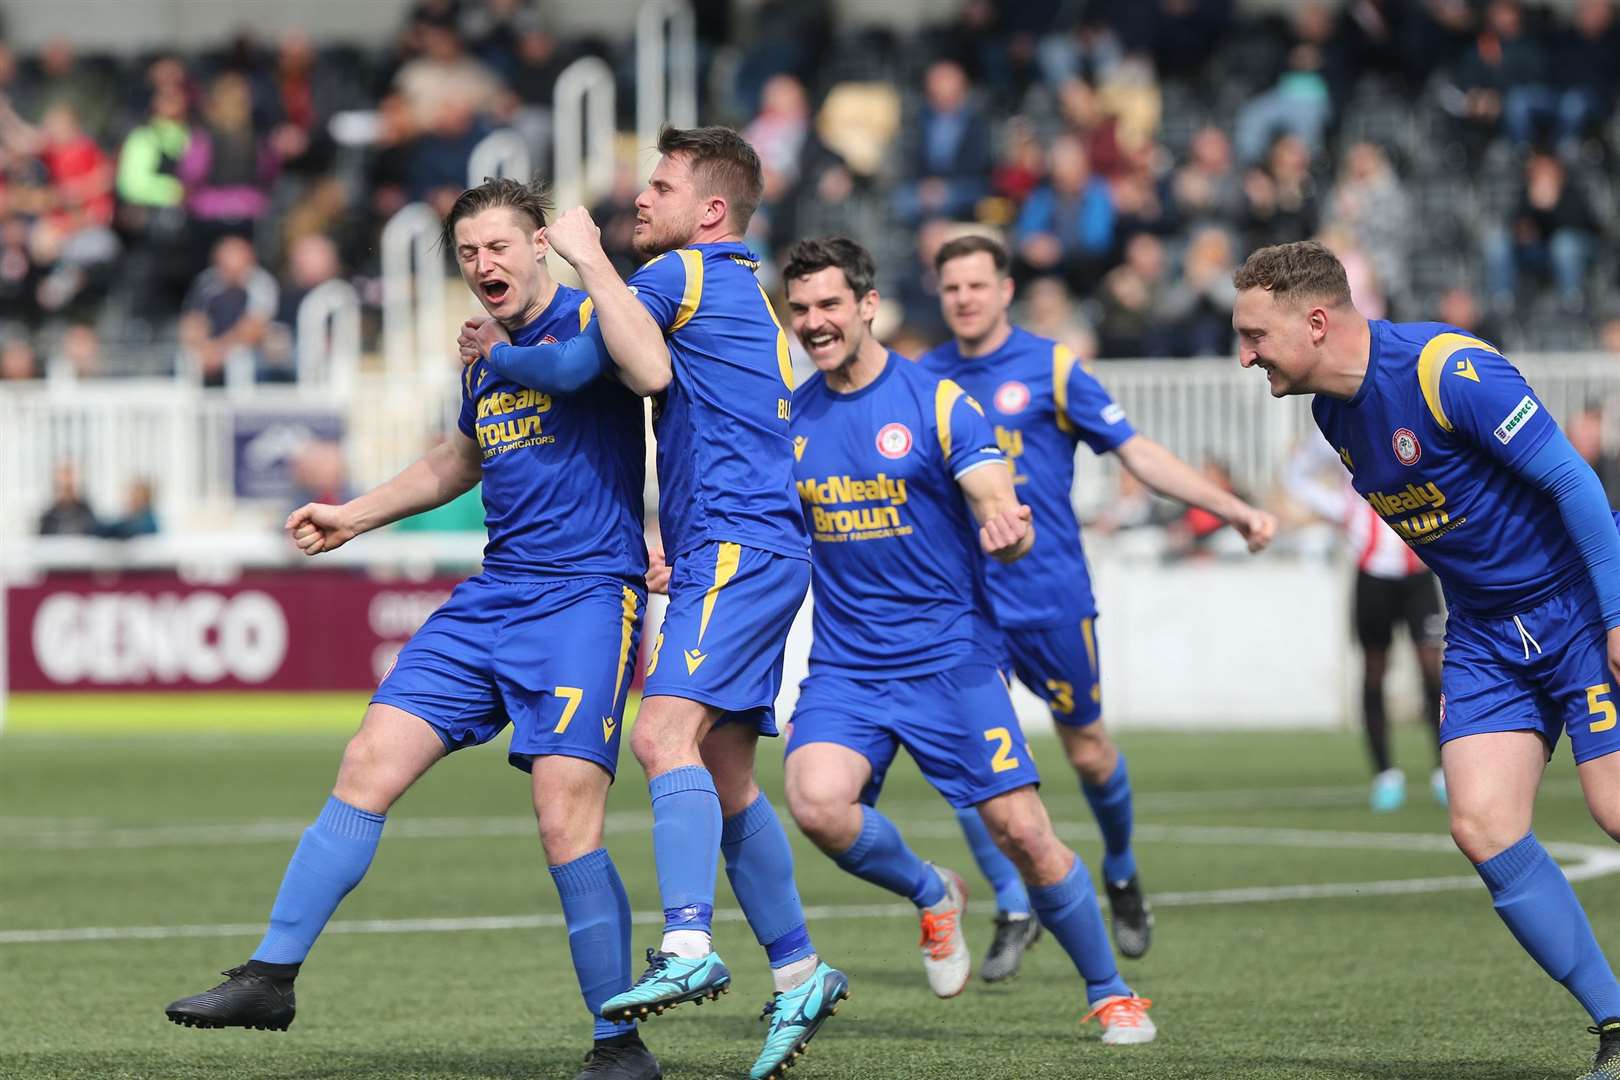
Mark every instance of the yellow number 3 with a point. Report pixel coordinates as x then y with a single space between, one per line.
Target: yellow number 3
1598 705
1003 759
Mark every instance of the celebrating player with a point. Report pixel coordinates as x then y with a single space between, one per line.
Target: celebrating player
1042 403
695 328
544 638
1446 440
891 462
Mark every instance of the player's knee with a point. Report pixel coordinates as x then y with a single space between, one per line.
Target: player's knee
831 824
652 747
1608 819
359 780
1480 835
1025 839
1092 753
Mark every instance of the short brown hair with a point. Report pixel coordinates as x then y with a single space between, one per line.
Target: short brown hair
810 256
973 244
530 200
723 164
1304 270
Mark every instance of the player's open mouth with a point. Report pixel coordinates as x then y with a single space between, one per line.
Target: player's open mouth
817 342
495 291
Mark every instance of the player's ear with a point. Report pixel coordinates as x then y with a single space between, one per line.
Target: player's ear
542 244
1007 290
715 211
1318 318
868 305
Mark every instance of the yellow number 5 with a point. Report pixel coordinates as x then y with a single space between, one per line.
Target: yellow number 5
573 695
1003 759
1598 705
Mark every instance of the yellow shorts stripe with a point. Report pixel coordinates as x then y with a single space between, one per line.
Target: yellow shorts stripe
725 566
1089 633
631 604
692 295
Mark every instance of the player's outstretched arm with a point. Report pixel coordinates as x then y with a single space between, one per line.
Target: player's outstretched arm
435 478
633 338
554 368
1005 530
1168 475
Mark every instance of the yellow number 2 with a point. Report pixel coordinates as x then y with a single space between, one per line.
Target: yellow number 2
1003 759
573 695
1598 705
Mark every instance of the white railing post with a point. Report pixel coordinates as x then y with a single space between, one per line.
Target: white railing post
503 153
666 69
328 337
583 127
413 291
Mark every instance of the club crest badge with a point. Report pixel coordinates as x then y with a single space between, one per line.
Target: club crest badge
1407 448
894 441
1012 397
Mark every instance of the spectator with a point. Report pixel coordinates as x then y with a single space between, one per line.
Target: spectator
1585 431
151 195
1552 231
947 163
1367 293
1046 310
445 79
1502 79
226 315
1588 73
320 474
18 362
1370 204
227 168
1193 534
69 82
1459 307
1281 197
1067 226
537 60
1132 296
1021 166
1207 188
312 262
77 170
139 518
19 273
1301 102
779 131
78 355
68 514
1198 307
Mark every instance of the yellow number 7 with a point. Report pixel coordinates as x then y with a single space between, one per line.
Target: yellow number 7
1598 705
573 695
1003 759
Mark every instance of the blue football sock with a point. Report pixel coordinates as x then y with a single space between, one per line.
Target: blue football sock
1069 911
598 915
331 858
686 845
1536 901
1111 803
759 864
880 856
997 869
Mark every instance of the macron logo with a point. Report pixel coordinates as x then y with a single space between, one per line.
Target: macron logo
1522 412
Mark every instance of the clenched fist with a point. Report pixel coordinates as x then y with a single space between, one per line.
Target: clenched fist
318 527
1008 535
478 336
574 236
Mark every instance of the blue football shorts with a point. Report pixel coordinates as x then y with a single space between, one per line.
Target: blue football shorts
725 630
554 658
1544 670
958 725
1059 664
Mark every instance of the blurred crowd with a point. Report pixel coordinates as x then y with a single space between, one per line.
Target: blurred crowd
169 212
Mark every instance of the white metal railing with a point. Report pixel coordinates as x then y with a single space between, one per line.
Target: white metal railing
328 338
666 69
413 277
583 129
183 437
503 153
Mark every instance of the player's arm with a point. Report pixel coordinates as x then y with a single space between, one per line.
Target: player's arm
557 368
630 331
444 472
1163 472
1006 532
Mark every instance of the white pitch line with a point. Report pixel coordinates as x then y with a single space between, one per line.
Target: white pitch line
1584 862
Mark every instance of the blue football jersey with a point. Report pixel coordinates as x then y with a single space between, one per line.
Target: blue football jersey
563 473
1043 404
725 462
897 572
1433 439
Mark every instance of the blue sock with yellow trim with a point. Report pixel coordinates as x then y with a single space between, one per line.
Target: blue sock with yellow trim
686 846
759 865
1111 803
1536 901
880 855
331 858
1069 911
597 912
1011 896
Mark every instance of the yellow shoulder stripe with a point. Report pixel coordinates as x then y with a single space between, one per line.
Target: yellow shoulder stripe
784 358
586 306
1432 364
945 395
692 295
1062 366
